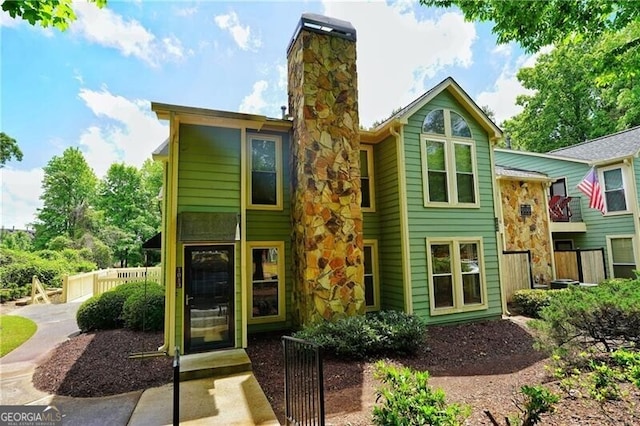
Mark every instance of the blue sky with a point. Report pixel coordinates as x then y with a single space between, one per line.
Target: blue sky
91 86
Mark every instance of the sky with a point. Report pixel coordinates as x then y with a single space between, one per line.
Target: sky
91 86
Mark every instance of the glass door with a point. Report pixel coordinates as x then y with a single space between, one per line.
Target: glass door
209 286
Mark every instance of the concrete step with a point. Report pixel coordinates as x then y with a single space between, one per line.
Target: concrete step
214 364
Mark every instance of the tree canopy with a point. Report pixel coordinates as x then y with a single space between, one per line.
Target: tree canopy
56 13
8 149
535 24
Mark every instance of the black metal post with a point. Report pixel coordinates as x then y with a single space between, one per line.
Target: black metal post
176 387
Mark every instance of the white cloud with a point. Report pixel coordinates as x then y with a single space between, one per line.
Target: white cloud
130 133
255 102
241 35
7 21
21 190
106 28
503 50
501 97
397 51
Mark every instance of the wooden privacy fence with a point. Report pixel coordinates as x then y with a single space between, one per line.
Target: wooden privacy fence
583 265
516 272
97 282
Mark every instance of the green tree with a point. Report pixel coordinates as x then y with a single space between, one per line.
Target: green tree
16 240
540 23
8 148
152 175
57 13
69 186
125 197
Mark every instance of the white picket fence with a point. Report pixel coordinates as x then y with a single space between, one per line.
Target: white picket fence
97 282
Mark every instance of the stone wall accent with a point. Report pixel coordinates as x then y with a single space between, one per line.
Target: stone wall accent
528 232
326 198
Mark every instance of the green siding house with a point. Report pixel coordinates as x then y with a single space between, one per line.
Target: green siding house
616 229
272 223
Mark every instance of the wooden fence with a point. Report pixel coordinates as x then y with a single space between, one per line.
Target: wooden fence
97 282
516 272
583 265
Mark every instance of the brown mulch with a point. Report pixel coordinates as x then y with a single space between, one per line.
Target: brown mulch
481 365
98 364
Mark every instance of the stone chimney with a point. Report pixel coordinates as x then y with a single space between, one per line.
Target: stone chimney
325 160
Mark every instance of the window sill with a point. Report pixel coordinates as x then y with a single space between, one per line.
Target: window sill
617 213
266 320
264 207
451 205
448 311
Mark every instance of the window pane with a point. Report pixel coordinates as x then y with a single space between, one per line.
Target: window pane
435 156
263 155
612 179
263 188
369 291
364 164
469 257
459 126
265 282
443 291
434 122
463 158
441 258
368 260
466 192
471 288
622 250
438 187
615 201
624 271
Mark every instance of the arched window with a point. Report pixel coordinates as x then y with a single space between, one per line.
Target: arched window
459 126
434 122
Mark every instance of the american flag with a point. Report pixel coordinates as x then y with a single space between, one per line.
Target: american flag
591 188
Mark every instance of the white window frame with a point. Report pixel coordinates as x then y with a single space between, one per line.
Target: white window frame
634 245
458 292
625 187
450 166
372 199
279 245
279 171
376 276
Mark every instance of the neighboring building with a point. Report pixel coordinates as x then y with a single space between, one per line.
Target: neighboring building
269 223
572 223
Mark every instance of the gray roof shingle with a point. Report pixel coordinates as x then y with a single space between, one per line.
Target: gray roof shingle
621 144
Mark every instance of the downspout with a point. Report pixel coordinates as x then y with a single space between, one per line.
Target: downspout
497 208
404 218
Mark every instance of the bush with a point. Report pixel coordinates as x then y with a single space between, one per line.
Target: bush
408 400
531 302
144 311
109 310
362 336
606 317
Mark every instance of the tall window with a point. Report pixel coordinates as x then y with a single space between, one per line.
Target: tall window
366 177
455 275
265 165
267 281
614 194
449 161
371 287
621 255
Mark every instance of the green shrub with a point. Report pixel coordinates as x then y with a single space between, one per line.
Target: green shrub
408 400
629 362
144 311
95 313
605 316
531 302
533 401
363 336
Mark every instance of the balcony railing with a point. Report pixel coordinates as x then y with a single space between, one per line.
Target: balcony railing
565 209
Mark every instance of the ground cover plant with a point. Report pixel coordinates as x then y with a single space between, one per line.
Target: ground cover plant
14 331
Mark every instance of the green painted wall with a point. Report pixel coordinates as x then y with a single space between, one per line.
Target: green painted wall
449 222
388 221
268 225
598 226
209 181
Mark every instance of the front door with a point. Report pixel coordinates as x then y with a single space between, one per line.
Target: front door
209 287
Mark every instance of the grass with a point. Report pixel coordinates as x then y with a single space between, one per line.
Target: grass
14 331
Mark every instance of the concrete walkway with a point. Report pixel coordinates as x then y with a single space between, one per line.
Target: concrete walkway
231 400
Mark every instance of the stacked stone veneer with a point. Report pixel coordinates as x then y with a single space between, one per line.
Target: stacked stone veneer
528 232
326 197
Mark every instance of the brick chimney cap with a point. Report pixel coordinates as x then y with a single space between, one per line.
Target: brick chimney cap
324 25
